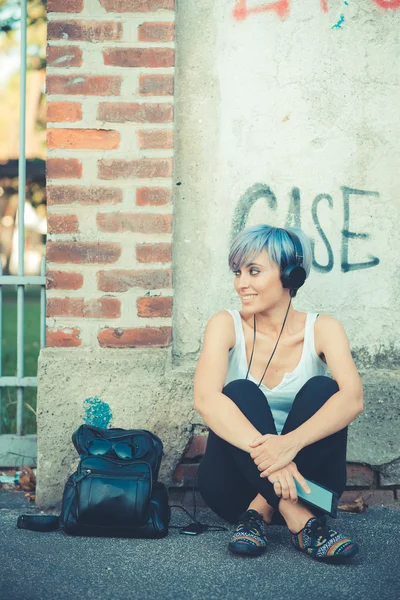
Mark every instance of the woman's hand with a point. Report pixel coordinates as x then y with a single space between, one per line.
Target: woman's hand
273 452
284 484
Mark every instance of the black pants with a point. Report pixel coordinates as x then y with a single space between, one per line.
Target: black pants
229 479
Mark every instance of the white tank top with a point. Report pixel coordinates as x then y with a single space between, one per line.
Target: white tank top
280 398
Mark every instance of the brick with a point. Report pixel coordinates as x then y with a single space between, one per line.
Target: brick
185 475
62 280
389 473
66 338
157 196
142 168
67 168
136 5
100 308
62 223
136 223
139 57
58 112
83 139
85 85
148 253
64 307
87 31
373 498
69 6
196 447
133 338
122 280
156 32
156 85
154 307
63 56
121 112
155 138
71 194
83 252
359 475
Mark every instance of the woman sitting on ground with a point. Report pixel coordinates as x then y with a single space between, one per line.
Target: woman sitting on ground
270 427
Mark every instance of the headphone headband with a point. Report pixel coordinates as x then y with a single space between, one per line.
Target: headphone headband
297 247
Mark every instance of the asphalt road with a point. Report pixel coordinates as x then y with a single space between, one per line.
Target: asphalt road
47 566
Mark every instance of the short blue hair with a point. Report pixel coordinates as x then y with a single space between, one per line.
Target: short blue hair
276 241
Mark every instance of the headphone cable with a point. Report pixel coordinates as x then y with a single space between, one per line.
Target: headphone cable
276 345
200 526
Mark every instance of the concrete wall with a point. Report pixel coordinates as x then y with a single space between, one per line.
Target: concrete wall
286 114
290 121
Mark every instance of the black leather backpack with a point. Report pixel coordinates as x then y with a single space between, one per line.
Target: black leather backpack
114 491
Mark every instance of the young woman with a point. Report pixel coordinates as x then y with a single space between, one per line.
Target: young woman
270 427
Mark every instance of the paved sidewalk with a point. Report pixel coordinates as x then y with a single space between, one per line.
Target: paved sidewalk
47 566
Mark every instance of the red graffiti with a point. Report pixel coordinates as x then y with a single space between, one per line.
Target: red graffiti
282 7
242 11
388 4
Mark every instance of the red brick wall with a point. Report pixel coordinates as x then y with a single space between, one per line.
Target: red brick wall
110 142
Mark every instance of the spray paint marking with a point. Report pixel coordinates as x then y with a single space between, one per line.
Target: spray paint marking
388 4
339 24
97 413
261 191
245 204
241 11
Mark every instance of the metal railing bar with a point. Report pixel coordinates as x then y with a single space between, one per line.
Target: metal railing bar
43 304
18 382
21 217
24 280
1 342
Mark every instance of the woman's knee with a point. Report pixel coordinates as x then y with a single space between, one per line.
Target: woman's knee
323 382
252 403
310 398
239 391
319 388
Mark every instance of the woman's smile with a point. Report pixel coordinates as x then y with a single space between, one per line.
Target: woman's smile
248 297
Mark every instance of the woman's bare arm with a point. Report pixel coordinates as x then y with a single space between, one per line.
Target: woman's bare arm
218 411
343 407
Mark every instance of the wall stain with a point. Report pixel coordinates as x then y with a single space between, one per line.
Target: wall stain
387 357
97 412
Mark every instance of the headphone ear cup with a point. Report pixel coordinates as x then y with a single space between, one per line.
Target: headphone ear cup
293 277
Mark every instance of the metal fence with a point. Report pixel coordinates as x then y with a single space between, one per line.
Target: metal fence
15 448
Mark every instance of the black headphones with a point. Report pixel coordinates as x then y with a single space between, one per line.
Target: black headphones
294 276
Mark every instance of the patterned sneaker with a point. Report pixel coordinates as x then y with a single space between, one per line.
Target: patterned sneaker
323 543
250 534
